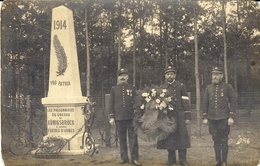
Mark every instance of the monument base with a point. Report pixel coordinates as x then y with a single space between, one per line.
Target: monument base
66 121
75 144
64 101
63 152
72 147
72 152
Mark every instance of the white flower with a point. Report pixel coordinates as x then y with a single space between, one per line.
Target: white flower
170 108
45 139
145 94
142 106
169 99
158 101
162 95
147 99
153 94
164 90
163 104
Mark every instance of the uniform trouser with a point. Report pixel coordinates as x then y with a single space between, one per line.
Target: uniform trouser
124 128
219 129
172 155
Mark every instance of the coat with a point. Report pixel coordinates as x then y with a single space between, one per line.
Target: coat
121 106
180 138
219 101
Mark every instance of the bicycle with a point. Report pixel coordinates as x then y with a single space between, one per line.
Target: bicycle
88 142
24 132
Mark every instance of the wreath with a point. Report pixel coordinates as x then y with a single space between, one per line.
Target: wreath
155 114
51 144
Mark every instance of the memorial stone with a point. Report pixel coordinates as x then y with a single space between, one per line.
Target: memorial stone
64 103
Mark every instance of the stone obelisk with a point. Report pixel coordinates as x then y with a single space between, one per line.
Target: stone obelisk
64 102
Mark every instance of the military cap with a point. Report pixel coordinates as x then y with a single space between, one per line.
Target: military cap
217 70
169 69
122 71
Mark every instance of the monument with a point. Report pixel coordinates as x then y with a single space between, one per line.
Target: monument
64 102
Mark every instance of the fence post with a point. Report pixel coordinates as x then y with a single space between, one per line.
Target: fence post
189 125
108 128
29 117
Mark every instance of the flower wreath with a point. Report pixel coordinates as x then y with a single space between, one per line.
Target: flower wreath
155 114
51 144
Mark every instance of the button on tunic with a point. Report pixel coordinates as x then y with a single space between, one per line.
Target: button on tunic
216 101
180 138
121 105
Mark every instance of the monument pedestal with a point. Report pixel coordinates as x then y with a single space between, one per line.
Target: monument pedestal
64 102
65 118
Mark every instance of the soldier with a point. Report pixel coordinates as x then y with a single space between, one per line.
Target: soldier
121 112
217 113
179 140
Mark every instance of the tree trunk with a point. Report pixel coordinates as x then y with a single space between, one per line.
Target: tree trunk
141 31
166 44
119 48
119 38
237 47
224 40
161 50
197 78
87 64
87 57
134 60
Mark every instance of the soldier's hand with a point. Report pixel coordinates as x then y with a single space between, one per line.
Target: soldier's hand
112 121
205 121
230 121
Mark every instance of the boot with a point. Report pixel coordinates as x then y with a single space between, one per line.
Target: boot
218 155
224 149
171 157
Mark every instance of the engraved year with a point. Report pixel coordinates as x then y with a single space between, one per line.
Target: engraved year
60 24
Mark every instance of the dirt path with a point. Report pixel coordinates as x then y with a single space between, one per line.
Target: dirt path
200 154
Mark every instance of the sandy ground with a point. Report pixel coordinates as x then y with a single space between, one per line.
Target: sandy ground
200 154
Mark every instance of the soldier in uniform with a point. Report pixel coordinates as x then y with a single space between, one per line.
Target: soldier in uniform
121 112
219 105
179 140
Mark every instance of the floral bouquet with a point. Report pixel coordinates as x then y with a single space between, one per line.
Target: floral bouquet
51 144
156 114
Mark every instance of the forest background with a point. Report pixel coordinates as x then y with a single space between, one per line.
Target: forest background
144 36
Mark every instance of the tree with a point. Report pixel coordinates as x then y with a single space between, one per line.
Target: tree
224 39
197 77
87 57
161 32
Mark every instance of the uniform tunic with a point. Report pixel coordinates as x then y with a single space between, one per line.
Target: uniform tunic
216 101
122 101
180 138
121 108
219 104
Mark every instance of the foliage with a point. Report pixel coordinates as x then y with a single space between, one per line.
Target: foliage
51 144
154 98
156 114
164 35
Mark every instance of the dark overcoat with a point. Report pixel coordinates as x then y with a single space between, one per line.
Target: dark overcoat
180 138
